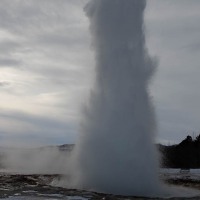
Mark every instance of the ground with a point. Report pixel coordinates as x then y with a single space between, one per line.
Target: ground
14 186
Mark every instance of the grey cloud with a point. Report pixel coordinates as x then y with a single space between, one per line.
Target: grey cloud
37 120
49 40
7 57
194 47
44 127
8 46
61 76
173 36
33 14
16 16
4 83
51 30
72 40
9 62
173 23
176 123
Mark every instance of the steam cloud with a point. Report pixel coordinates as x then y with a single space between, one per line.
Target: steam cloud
35 160
115 153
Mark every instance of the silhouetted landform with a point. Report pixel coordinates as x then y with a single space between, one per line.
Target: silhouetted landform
185 155
63 147
66 147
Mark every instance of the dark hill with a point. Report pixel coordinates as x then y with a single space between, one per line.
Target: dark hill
183 155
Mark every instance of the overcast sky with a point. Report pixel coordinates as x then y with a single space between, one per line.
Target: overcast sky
47 69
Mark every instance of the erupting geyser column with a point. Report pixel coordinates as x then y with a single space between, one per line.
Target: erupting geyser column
116 153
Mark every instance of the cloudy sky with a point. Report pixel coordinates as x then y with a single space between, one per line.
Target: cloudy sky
47 69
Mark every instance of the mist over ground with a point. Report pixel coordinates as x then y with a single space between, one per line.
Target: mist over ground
44 160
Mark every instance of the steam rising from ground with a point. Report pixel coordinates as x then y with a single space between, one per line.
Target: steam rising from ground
47 160
115 153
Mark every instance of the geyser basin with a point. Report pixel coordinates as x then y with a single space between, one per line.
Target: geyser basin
34 186
115 153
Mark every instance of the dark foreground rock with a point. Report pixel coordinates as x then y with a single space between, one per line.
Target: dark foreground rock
18 186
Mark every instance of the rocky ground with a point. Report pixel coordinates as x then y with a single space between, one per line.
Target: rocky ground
35 186
186 178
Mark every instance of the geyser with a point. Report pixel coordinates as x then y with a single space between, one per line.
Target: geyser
115 152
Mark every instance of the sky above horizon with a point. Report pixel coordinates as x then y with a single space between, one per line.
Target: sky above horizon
47 69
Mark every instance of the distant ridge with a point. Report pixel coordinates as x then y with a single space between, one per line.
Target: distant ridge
183 155
66 147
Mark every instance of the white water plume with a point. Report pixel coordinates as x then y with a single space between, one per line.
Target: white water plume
116 151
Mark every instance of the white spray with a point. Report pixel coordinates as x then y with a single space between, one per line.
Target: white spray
116 153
